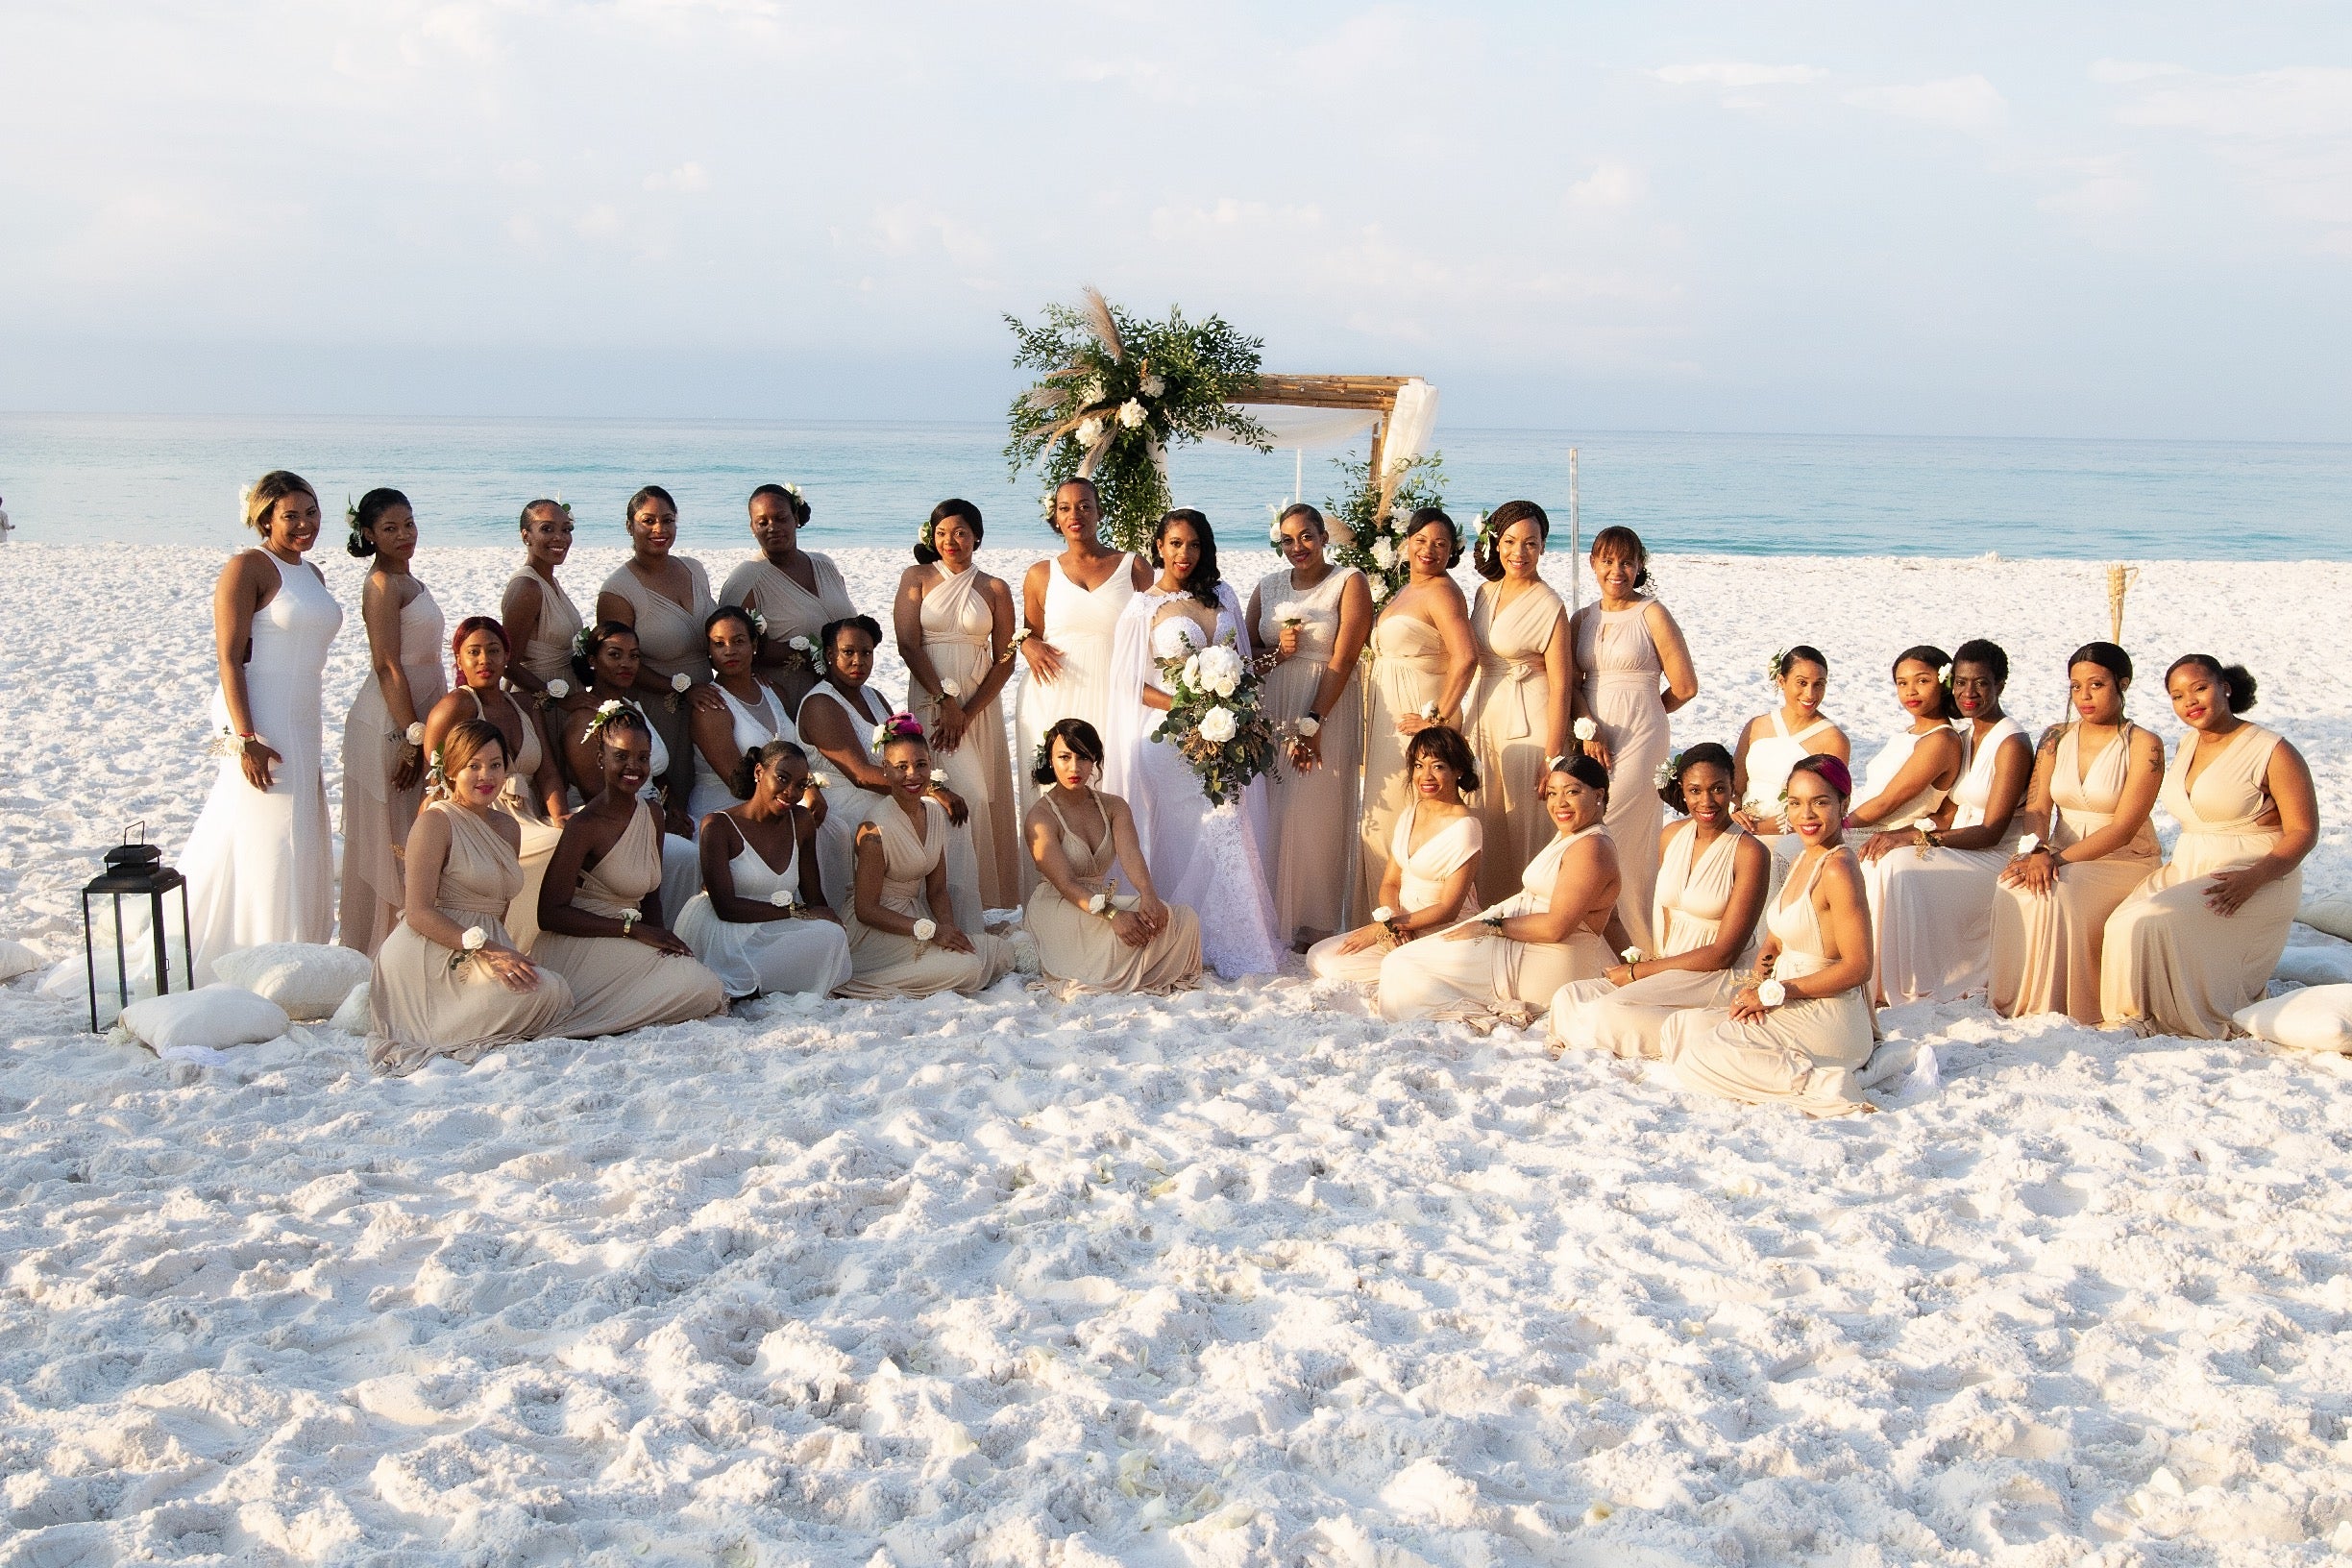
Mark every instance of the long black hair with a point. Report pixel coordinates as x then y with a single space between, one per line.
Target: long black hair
1203 582
366 515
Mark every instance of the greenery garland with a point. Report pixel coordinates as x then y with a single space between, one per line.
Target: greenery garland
1115 392
1373 539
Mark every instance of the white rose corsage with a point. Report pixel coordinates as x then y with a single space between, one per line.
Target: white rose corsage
952 689
475 939
2030 842
1632 955
1428 711
1586 729
1310 724
681 683
938 777
1391 921
807 650
559 689
925 930
1100 904
414 734
1772 993
781 898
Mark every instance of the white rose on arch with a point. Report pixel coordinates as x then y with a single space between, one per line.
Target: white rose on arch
1152 384
1131 414
1383 554
1089 432
1218 726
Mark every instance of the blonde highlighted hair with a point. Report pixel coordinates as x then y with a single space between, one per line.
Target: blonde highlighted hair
265 493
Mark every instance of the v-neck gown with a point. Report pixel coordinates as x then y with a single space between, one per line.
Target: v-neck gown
958 634
1408 669
2046 946
886 964
1311 815
1505 725
1434 978
619 983
1082 624
1619 666
1422 881
1078 950
1691 900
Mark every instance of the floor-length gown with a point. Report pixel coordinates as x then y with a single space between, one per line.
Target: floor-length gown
520 799
791 610
546 649
1882 773
2170 965
782 955
427 1000
756 724
1409 674
886 964
1806 1052
1421 885
1077 949
1931 910
957 626
2046 946
1312 814
1686 913
1436 978
847 805
260 863
1770 759
670 641
1620 668
619 983
376 816
681 863
1209 857
1508 709
1080 624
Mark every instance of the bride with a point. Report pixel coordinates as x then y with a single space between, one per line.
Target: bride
1202 854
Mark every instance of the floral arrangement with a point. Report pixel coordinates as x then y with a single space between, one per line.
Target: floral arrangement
1115 392
1371 539
1214 720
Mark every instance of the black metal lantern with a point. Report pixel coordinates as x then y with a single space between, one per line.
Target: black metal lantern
135 868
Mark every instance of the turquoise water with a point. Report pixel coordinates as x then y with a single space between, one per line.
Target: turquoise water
94 478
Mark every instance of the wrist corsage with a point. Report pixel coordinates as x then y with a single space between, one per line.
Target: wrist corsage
1772 993
925 930
1391 921
1586 729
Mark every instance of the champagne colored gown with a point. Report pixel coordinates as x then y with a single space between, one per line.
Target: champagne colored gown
427 1000
1931 910
1807 1053
847 805
545 649
670 641
1409 671
618 983
1310 814
755 723
957 631
1078 950
1505 725
1082 624
520 799
2046 946
886 964
782 954
1687 915
1434 978
1770 759
376 816
1422 884
1618 663
791 611
2170 964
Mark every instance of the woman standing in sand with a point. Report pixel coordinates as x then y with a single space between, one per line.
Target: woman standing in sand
2200 938
383 737
954 627
663 598
1519 707
1770 743
1625 645
539 616
1422 658
797 592
260 862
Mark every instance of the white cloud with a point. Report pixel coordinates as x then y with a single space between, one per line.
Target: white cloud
686 177
1956 103
1732 73
1612 184
2287 133
2113 72
910 229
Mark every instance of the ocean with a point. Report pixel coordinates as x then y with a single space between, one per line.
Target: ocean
87 479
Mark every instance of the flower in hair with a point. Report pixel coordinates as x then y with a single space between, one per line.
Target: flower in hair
1667 771
351 512
1943 674
1775 666
898 726
583 641
759 621
793 490
606 712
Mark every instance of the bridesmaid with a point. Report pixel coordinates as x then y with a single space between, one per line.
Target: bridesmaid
1070 608
761 922
2094 782
954 626
663 598
1088 935
1422 658
1770 743
1931 895
1624 646
745 715
1803 1031
1713 878
539 616
2200 938
600 909
797 592
383 737
607 667
449 980
904 939
534 792
1519 707
260 860
1515 957
1908 781
1432 879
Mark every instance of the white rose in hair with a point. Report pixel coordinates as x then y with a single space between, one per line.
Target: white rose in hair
559 689
682 682
1586 729
1218 726
1131 414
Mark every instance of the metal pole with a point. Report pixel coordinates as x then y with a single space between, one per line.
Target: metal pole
1576 538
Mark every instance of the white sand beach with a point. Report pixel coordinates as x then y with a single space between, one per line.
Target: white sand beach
1245 1276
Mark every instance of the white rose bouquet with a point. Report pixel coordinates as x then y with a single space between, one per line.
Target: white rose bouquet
1213 719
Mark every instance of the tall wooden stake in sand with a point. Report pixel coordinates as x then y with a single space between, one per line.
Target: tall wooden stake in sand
2120 578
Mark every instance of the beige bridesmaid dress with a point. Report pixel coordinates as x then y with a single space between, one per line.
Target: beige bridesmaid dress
1505 725
670 641
1770 759
957 626
1436 979
376 816
1078 950
885 963
1931 910
1409 671
546 650
2170 964
791 610
2046 946
427 1000
619 983
1807 1053
1311 813
1422 884
1687 914
520 799
1621 671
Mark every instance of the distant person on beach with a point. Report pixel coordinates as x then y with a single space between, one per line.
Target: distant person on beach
6 527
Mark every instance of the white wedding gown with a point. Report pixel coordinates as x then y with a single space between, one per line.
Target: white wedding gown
1208 857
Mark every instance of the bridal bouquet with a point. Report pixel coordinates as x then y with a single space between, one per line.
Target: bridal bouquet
1214 720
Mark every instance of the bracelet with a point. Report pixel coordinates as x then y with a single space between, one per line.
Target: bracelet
1493 922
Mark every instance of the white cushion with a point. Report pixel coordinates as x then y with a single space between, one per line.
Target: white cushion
2314 1018
214 1016
16 959
309 979
2314 958
353 1016
2334 916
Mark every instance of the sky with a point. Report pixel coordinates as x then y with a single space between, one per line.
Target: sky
2080 220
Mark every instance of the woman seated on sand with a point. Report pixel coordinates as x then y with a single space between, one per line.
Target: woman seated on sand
1713 878
1089 936
904 939
1511 959
1433 855
606 661
2200 938
761 921
448 980
600 907
535 795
